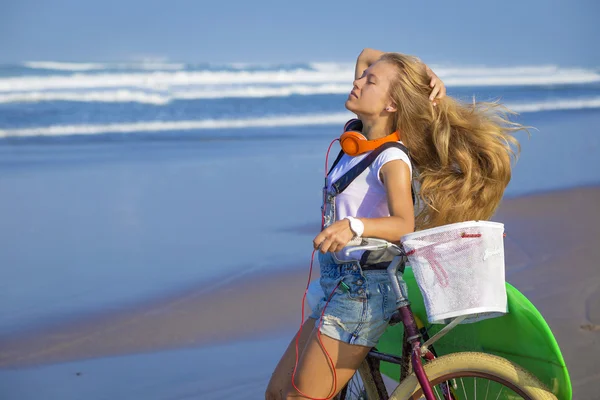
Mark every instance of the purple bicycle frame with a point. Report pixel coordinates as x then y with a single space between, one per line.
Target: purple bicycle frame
413 337
406 315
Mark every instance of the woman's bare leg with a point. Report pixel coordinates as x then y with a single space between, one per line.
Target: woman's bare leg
314 376
282 376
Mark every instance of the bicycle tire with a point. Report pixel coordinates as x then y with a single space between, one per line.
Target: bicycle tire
478 365
368 379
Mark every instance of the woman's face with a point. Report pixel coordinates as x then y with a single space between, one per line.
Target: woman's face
370 94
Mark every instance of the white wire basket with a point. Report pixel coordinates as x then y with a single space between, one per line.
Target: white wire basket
460 270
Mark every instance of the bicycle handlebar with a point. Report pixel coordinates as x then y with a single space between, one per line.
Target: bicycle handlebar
359 243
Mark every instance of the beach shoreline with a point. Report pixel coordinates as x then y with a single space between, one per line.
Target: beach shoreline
551 255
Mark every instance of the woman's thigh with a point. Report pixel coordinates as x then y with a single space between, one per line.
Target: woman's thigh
282 376
315 376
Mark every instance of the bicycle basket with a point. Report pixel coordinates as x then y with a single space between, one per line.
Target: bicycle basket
460 270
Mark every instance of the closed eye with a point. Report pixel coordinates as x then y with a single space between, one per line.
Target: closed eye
372 79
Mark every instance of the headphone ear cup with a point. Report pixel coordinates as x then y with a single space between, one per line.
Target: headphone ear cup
353 125
350 142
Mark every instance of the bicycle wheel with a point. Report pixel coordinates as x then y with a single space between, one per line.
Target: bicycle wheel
366 384
475 376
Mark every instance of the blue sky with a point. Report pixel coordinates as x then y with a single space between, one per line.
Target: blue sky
509 32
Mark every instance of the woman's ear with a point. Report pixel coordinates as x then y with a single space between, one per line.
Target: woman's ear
391 108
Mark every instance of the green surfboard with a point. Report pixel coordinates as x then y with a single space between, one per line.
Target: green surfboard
521 336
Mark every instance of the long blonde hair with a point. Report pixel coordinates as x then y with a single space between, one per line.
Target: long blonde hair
462 152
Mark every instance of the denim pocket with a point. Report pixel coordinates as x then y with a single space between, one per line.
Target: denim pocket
354 286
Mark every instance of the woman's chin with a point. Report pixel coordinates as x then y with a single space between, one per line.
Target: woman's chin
349 106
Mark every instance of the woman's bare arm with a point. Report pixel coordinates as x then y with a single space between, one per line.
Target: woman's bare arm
367 57
396 179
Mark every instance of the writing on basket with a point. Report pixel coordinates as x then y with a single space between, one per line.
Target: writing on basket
491 252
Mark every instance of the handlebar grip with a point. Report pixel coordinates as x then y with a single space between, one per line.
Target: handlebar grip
360 243
357 241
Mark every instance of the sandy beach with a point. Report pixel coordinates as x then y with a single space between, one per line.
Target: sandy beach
551 249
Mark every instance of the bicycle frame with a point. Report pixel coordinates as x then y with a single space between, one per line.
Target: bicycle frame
411 331
412 340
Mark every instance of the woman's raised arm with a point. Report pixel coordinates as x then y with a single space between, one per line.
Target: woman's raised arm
370 56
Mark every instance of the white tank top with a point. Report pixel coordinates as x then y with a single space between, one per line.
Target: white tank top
365 197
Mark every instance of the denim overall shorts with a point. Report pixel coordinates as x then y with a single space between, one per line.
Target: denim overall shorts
361 299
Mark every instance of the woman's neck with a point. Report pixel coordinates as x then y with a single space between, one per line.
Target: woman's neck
377 129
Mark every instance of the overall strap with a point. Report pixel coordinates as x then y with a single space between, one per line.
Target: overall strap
343 182
337 160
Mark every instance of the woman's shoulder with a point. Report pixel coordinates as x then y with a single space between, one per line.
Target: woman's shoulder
394 153
391 154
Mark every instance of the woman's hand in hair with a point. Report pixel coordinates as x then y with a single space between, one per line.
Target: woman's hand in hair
439 89
369 56
334 238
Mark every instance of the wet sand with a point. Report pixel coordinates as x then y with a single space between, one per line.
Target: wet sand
551 253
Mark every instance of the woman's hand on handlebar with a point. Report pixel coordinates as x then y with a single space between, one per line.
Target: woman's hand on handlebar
334 238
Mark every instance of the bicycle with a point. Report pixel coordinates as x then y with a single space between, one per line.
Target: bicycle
454 376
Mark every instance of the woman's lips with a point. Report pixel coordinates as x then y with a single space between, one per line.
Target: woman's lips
353 94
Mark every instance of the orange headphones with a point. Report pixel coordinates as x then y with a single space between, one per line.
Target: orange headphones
354 143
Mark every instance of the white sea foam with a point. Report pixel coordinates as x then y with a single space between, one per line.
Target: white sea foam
166 80
264 91
161 126
77 67
262 122
526 70
323 74
332 66
107 96
153 65
64 66
157 64
161 98
556 104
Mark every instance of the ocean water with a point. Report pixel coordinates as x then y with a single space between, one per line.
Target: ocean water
121 182
58 99
201 373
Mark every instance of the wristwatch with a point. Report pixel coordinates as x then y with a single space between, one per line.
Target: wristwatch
356 226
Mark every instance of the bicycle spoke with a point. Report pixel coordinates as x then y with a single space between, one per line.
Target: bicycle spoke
351 388
463 386
355 389
487 390
437 395
445 385
461 368
499 392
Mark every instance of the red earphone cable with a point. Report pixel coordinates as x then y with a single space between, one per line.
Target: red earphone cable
329 359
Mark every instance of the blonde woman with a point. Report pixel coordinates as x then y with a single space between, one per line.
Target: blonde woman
461 156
